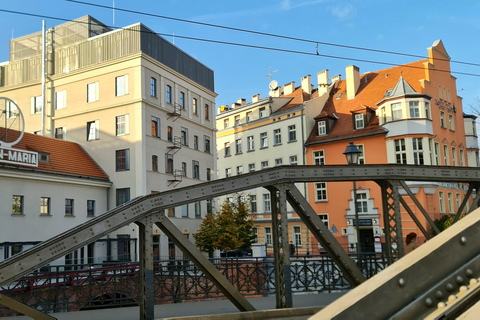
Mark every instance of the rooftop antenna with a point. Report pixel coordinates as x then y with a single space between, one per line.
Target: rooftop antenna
271 73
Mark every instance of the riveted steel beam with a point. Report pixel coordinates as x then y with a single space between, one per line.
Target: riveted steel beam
146 272
24 309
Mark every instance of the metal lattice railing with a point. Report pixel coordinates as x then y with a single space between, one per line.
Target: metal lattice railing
77 288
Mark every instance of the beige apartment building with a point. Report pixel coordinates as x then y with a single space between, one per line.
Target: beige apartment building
142 108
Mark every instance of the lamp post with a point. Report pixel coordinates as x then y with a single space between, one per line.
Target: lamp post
352 153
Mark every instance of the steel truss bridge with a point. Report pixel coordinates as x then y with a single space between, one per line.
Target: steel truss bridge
149 211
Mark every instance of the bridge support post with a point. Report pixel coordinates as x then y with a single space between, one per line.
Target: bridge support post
146 274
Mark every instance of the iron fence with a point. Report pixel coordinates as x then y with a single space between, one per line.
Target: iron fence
66 288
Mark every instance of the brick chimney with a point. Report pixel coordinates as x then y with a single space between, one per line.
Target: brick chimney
288 88
307 84
353 80
322 79
336 78
256 98
242 101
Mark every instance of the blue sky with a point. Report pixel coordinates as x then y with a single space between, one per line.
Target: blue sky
241 72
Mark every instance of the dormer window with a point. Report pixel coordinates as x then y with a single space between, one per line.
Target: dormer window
322 127
359 121
262 112
44 157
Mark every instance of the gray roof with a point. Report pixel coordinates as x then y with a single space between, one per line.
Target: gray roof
402 88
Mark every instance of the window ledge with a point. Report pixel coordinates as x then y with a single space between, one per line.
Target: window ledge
18 214
292 141
69 216
45 215
278 144
263 147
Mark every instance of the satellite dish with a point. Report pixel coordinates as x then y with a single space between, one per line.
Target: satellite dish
222 108
273 84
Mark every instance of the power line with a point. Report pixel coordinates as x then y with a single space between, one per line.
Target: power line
267 34
245 45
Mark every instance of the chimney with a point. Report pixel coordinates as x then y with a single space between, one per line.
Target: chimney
235 105
256 98
336 78
353 81
277 92
242 101
322 79
307 84
288 88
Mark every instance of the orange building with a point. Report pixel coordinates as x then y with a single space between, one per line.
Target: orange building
408 114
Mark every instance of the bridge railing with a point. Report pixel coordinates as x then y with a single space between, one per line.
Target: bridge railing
86 287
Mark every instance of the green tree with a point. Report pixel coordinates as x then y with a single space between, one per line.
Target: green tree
445 222
230 228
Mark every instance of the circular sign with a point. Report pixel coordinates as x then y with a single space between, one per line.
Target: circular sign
12 124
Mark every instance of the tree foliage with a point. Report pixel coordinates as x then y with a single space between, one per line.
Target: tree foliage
445 222
230 228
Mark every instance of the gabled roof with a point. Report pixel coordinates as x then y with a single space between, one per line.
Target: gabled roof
65 157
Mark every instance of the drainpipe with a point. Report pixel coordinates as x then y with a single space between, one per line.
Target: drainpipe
43 76
304 150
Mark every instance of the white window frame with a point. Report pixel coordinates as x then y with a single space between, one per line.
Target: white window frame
239 170
238 146
292 133
293 160
451 209
249 116
321 194
227 150
36 105
322 128
93 130
267 205
319 157
123 121
446 158
451 122
263 140
264 165
297 235
268 235
262 112
397 111
121 85
359 121
277 137
417 147
60 99
400 151
93 93
414 107
251 167
278 162
441 200
250 143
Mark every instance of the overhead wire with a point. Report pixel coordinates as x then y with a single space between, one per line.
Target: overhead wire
265 33
242 44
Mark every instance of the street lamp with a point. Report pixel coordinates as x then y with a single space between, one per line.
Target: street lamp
352 154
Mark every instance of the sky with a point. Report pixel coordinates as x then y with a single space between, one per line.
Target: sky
333 28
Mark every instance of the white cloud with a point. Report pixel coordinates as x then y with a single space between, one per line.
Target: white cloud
343 12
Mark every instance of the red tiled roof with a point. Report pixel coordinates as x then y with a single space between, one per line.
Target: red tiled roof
65 157
299 97
373 86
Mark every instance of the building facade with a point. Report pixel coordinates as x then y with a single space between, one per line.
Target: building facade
141 107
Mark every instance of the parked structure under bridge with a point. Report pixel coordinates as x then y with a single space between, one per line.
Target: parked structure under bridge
149 210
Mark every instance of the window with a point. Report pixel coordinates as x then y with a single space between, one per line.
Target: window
185 211
446 160
11 110
297 236
45 206
92 92
293 160
253 203
154 163
384 115
255 234
427 110
122 125
209 174
322 128
184 136
417 151
361 155
60 133
263 140
264 164
249 116
170 134
237 121
60 99
153 87
37 104
171 212
155 127
277 137
250 143
17 204
196 169
122 195
239 170
266 202
319 158
437 153
69 207
362 203
414 109
441 199
90 208
16 249
168 94
451 123
238 146
122 160
184 169
262 112
454 156
324 218
442 119
198 213
209 206
359 121
182 100
207 113
278 162
321 191
168 163
226 123
462 158
207 143
93 132
400 151
227 149
228 172
397 111
251 167
440 92
450 203
459 200
195 142
121 85
194 107
292 133
268 235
